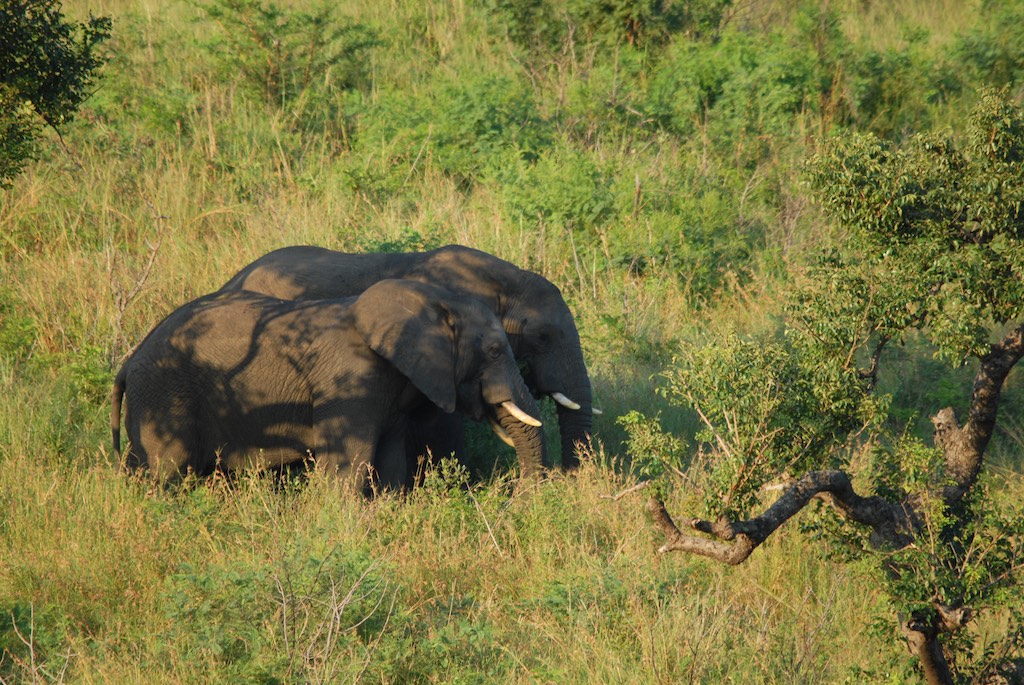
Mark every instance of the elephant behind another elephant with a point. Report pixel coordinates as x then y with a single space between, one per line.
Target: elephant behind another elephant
239 379
539 325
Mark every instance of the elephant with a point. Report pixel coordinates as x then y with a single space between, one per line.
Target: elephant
536 319
234 380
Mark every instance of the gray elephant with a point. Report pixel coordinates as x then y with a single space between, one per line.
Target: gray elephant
531 309
237 379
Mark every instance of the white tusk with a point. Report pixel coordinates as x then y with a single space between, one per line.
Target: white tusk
515 411
500 432
564 401
596 411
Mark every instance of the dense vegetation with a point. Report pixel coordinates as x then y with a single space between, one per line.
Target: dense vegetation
667 165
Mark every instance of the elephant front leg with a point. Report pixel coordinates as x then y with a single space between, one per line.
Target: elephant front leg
343 448
391 467
431 437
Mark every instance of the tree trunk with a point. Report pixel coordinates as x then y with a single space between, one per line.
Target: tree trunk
923 641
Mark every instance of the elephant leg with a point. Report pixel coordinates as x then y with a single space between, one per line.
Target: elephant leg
576 427
344 447
166 454
432 437
391 470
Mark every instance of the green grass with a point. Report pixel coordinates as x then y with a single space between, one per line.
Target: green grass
215 582
175 175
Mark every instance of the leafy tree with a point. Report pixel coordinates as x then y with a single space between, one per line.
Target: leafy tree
47 67
935 247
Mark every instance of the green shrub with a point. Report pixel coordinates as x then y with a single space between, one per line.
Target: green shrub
291 58
564 189
33 643
289 619
545 24
17 331
994 49
462 126
532 24
741 88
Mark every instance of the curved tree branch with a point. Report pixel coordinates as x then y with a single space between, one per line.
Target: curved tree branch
893 525
732 542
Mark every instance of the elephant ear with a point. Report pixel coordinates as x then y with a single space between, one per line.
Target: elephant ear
404 322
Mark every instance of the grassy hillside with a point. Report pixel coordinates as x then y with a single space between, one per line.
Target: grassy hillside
652 169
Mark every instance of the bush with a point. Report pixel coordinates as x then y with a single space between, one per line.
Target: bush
564 190
273 623
995 49
545 25
462 126
290 58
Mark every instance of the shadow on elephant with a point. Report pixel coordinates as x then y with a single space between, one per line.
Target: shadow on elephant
237 380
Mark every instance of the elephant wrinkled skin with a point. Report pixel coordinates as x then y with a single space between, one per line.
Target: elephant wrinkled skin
539 325
238 379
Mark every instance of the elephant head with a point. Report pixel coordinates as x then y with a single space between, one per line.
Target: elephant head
453 350
545 340
539 326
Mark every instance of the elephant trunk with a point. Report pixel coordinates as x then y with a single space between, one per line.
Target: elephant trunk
564 378
528 440
575 425
560 372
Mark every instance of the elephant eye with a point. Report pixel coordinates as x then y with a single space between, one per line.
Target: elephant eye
494 351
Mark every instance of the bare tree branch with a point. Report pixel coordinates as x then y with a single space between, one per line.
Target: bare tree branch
732 542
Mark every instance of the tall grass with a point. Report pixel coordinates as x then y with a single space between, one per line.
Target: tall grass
175 175
229 581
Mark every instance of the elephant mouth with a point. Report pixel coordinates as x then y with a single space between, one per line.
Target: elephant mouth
500 432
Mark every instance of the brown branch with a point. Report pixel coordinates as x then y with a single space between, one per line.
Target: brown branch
964 446
732 542
923 642
922 633
871 373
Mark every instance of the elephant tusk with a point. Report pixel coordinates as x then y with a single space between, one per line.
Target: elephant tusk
515 411
500 432
569 404
564 401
